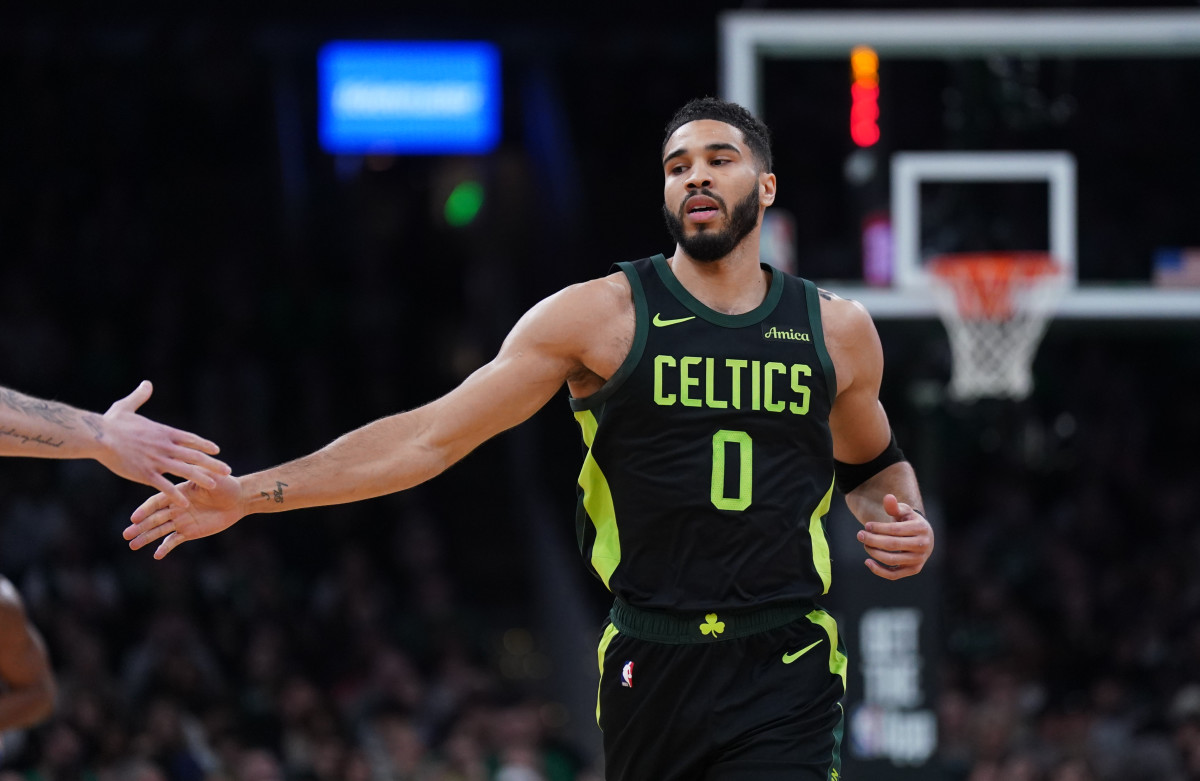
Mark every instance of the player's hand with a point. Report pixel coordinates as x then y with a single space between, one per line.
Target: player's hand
209 510
900 547
141 450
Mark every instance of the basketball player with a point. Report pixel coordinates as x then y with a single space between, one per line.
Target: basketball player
714 394
130 445
27 687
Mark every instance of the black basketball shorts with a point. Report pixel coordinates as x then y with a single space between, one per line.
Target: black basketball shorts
713 698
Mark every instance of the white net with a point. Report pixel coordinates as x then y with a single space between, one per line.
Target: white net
995 308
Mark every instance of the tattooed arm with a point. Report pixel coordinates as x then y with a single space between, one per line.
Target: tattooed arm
131 446
45 429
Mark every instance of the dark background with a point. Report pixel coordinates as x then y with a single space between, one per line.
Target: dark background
166 213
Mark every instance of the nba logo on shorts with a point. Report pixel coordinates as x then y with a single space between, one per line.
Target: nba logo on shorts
627 675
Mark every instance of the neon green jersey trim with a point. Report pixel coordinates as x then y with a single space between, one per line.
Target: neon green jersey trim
598 502
820 545
837 660
610 632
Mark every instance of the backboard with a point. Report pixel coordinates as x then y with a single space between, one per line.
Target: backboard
1059 131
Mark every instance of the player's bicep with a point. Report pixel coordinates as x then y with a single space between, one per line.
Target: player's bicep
857 420
532 365
497 396
860 431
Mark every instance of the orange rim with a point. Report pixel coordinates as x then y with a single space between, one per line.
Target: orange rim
983 282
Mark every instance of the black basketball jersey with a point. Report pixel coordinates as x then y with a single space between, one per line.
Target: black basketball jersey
708 467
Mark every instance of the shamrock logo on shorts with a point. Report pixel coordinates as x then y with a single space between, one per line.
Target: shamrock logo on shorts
712 625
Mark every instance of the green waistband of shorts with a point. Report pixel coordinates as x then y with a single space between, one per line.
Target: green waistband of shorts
659 626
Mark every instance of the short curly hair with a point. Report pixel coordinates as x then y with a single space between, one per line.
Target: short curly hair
757 136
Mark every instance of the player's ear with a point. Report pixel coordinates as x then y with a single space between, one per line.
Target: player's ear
766 189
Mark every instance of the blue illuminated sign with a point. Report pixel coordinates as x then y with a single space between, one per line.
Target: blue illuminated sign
411 97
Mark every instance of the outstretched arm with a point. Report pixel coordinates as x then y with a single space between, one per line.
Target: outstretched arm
27 694
131 446
391 454
895 533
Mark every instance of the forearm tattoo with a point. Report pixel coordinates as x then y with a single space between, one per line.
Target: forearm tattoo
59 414
92 421
277 494
26 439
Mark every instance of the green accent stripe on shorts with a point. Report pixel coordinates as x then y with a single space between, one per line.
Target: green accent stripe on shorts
837 659
820 545
835 765
610 632
598 502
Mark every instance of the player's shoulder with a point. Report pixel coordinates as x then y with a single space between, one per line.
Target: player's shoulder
573 317
613 286
851 339
844 317
594 297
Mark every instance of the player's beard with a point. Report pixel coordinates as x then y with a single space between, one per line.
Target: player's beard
708 245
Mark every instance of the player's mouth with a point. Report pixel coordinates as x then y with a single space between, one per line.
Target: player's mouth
701 208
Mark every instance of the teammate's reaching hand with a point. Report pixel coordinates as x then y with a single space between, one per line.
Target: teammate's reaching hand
141 450
130 445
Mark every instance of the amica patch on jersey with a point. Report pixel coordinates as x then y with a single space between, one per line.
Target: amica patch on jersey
777 333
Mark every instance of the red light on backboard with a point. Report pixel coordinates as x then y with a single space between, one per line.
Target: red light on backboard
864 96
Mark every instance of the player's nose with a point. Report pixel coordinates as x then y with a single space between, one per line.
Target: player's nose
699 176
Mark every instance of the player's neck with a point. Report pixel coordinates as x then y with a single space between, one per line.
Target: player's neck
733 285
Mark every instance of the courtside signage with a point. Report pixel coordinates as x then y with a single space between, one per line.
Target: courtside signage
409 97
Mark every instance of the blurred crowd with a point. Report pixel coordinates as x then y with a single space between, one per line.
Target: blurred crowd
1071 595
234 663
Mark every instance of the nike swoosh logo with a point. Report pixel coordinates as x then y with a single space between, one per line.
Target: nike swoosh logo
789 658
658 321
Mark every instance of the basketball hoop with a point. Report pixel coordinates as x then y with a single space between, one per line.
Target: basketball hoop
995 307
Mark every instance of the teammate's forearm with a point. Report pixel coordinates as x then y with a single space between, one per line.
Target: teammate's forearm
899 479
380 458
38 428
